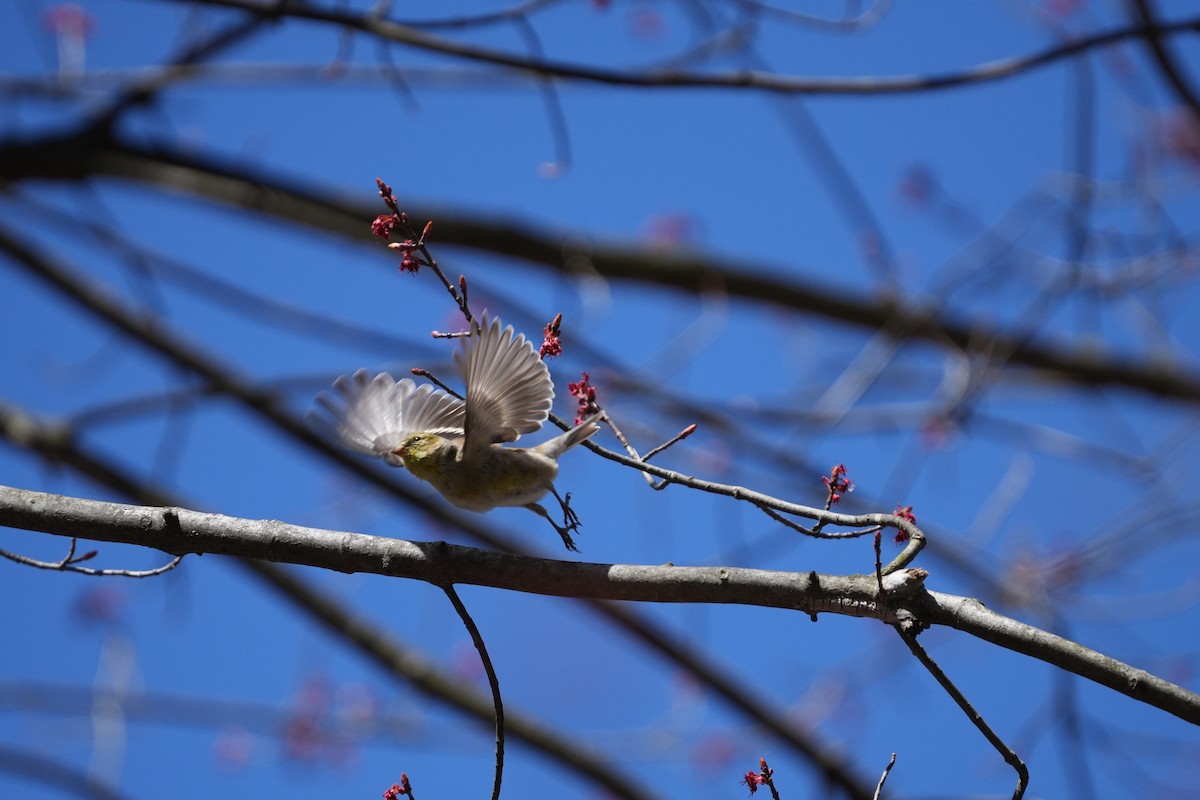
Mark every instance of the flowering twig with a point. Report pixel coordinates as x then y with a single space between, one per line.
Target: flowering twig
837 483
585 393
764 777
551 344
416 254
905 513
401 789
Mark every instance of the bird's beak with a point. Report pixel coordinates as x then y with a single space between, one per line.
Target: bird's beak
401 451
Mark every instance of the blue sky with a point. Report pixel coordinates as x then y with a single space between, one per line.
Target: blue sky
1034 481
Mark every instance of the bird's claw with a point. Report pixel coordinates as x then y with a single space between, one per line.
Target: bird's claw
570 518
565 533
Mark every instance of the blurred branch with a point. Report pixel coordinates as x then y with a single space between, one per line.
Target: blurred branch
518 11
1155 34
404 727
874 12
409 35
244 73
142 92
907 604
61 775
88 154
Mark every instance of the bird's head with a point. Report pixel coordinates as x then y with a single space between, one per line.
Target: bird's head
424 450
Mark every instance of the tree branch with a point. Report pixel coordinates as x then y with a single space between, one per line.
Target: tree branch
658 78
180 531
60 774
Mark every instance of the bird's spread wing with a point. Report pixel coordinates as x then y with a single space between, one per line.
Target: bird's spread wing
509 391
375 415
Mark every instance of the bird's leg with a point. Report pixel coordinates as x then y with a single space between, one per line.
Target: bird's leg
570 519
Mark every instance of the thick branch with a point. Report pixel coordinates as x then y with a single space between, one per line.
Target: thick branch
180 531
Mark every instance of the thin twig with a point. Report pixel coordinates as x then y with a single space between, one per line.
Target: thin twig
550 99
67 564
1010 757
493 682
460 297
679 437
815 531
879 563
424 373
883 778
629 448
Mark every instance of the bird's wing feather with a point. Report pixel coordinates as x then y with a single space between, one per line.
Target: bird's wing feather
375 415
509 391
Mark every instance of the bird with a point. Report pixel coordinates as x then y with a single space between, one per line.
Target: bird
457 445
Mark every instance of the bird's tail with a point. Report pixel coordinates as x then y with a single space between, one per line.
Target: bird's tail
565 441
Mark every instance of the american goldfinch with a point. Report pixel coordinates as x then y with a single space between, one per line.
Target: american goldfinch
456 445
